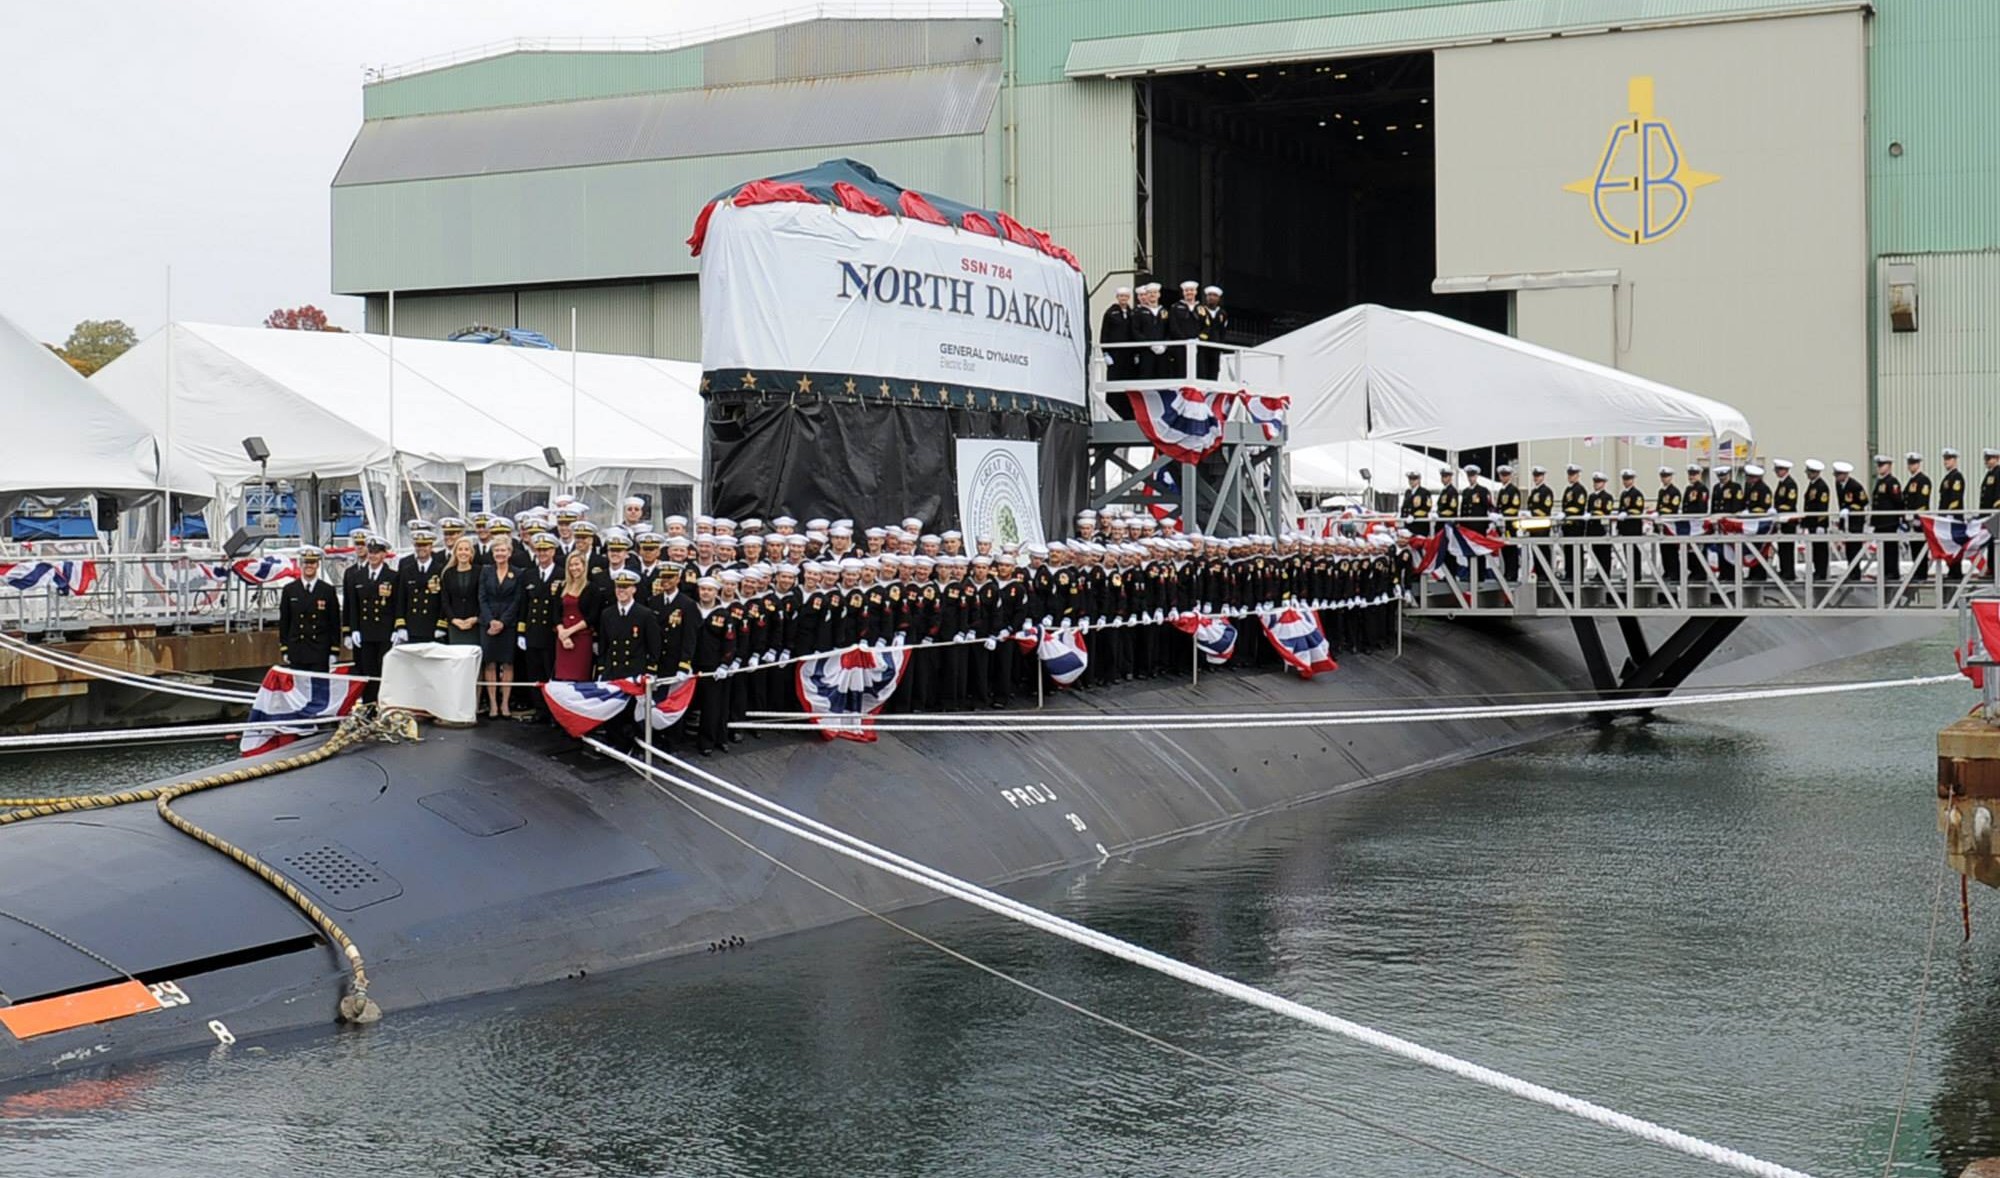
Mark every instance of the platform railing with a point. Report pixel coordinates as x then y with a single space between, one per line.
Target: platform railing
1181 363
176 592
1671 573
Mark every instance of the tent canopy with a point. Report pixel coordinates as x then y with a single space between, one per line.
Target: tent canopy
1425 380
1337 466
320 401
70 438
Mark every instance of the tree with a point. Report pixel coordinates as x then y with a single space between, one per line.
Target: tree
94 343
64 358
306 318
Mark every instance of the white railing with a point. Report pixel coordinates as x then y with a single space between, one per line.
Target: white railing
1666 573
174 592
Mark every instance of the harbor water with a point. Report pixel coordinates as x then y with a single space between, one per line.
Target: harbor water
1717 921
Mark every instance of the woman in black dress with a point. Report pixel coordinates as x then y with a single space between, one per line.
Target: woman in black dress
499 618
458 599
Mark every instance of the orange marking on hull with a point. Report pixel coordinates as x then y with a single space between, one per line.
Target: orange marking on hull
48 1015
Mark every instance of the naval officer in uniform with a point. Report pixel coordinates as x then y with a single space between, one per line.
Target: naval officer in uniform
628 646
308 617
369 613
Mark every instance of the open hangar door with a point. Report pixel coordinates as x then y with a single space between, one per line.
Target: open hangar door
1300 189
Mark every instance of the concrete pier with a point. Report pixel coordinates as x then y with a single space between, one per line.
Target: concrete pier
1968 790
35 696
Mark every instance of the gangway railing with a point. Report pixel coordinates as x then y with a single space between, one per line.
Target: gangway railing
177 592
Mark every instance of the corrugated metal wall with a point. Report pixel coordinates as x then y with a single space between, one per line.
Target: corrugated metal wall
617 318
677 319
437 316
1078 168
1933 88
633 318
1940 385
519 78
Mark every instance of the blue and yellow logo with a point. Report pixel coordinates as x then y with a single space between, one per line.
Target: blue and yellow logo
1642 191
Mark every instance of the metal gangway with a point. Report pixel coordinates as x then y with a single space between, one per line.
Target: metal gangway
1241 487
1706 574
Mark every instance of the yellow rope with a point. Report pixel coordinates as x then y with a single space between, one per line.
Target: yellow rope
366 722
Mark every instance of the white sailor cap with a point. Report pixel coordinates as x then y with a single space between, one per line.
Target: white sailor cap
850 563
1503 468
1882 460
624 577
924 562
1216 290
677 542
1989 452
1694 468
634 501
677 519
1814 465
1666 470
980 562
730 577
953 534
753 524
1152 286
928 538
1843 468
1472 468
844 523
1596 476
1123 290
1781 464
1538 470
1913 456
725 542
787 569
817 524
542 540
875 533
617 538
1411 474
650 538
982 539
1446 469
1190 284
1573 468
749 538
842 530
1948 452
705 520
1628 473
1060 546
784 521
708 583
1038 550
1753 470
1723 468
1086 513
794 540
310 552
724 522
1006 558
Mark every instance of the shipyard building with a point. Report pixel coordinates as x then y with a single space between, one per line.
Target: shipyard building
1784 204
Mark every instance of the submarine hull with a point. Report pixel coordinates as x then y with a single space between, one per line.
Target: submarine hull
477 861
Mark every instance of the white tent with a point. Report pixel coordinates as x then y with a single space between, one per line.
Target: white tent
1337 466
1422 379
68 438
322 403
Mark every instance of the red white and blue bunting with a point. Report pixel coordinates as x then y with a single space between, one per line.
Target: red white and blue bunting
1453 543
1215 636
1183 424
67 576
1296 635
286 697
844 691
581 707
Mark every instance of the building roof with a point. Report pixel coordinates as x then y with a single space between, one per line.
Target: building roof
679 124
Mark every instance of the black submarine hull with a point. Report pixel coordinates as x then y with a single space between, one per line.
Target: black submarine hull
486 860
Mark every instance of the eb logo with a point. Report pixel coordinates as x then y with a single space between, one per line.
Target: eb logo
1642 190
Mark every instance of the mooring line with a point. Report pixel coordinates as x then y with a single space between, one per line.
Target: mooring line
1163 722
841 843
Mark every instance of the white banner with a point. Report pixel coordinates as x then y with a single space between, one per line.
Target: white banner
999 491
803 288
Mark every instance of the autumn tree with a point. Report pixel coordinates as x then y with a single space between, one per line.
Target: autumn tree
94 343
306 318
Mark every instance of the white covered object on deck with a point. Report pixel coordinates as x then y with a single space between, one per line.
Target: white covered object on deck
430 677
1425 380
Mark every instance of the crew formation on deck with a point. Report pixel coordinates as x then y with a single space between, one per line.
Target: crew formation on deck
738 605
1775 505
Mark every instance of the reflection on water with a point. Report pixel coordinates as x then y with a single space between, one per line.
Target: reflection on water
1716 921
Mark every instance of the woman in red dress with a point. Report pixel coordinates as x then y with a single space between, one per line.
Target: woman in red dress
577 601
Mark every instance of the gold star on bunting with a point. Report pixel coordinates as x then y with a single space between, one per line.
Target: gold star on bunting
749 380
850 386
885 388
704 384
941 394
805 384
916 391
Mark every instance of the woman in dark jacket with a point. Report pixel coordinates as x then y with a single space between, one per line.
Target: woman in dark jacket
458 596
499 618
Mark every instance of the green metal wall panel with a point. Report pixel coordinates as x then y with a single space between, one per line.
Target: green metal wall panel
677 319
1077 168
1936 385
1934 85
610 318
437 316
516 79
586 224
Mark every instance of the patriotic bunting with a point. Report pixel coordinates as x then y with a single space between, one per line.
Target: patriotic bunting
1950 538
68 576
287 697
266 570
1215 636
1064 655
1184 424
1984 640
669 708
1268 412
1298 639
581 707
1453 542
843 691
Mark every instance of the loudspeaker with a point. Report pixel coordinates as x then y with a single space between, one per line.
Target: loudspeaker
244 541
107 513
330 507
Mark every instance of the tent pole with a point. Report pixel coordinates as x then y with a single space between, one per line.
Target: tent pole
572 403
167 459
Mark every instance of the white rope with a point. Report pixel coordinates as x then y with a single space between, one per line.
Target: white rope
848 845
63 660
123 735
1162 722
